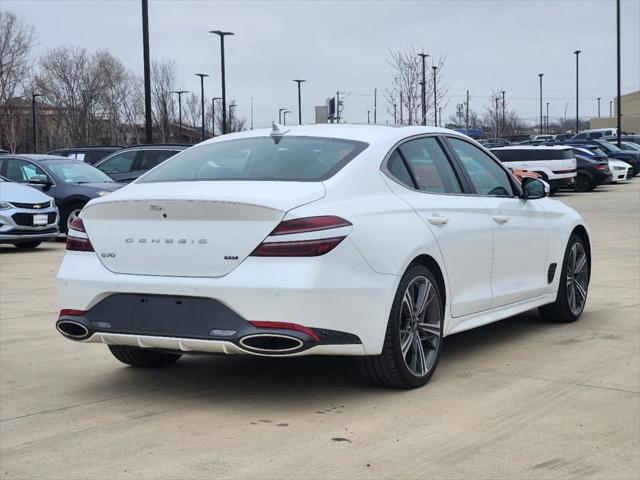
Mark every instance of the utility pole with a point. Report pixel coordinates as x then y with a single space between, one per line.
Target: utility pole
299 102
33 120
375 105
577 53
435 97
618 104
222 34
395 117
424 89
497 117
147 72
180 92
504 117
540 75
202 75
599 98
467 119
213 115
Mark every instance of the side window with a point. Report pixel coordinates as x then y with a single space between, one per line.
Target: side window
119 163
22 171
152 158
430 166
486 175
398 169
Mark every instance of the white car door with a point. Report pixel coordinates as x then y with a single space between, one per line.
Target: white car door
426 180
519 228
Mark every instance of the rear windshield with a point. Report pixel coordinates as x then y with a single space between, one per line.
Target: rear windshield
299 159
531 155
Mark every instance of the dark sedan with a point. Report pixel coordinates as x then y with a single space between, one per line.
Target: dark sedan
72 183
592 168
631 157
128 164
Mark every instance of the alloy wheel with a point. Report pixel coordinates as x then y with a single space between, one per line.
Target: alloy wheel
577 278
420 328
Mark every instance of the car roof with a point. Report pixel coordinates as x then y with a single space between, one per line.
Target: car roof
87 148
534 147
159 146
358 132
43 158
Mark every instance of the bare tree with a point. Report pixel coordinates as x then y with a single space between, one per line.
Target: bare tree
193 110
16 42
234 123
407 84
494 122
163 82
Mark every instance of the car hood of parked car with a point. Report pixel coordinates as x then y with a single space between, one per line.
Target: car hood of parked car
15 192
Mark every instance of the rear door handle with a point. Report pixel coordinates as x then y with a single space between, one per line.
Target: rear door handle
437 220
500 218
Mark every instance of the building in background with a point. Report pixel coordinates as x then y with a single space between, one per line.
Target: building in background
630 114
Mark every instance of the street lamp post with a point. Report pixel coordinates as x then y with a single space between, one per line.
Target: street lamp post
504 118
577 53
213 115
33 120
547 122
299 102
222 34
202 75
618 105
395 117
424 89
284 116
435 109
368 116
179 93
280 110
611 108
233 105
540 75
147 72
599 98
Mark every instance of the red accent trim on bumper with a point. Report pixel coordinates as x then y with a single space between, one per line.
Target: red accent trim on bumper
286 326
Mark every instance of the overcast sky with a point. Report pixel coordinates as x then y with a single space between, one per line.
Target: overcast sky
488 45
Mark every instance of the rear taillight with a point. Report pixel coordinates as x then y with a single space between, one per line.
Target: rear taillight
67 312
312 247
310 224
600 167
77 239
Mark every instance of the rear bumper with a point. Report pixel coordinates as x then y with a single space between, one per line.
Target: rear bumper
338 293
561 182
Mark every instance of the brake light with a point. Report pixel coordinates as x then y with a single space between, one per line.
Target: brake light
600 167
77 239
300 248
286 326
310 224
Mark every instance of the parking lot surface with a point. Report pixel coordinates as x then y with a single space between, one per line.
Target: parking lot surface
517 399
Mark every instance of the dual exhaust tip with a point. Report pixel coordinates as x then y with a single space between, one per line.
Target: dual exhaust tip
260 343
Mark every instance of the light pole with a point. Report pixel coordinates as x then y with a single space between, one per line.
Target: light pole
33 120
619 106
599 98
280 110
233 105
284 116
435 109
540 75
504 118
213 115
147 72
565 115
611 108
424 89
180 92
547 122
577 53
222 34
395 117
202 75
368 116
299 102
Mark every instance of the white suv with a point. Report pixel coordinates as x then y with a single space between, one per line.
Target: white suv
556 164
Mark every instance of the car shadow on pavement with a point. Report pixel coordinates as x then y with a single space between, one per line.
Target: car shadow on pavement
241 378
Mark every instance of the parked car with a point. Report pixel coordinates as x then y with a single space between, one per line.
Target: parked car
3 152
593 169
370 241
625 137
594 133
27 216
89 154
129 163
555 164
543 138
494 142
620 171
71 183
627 145
632 157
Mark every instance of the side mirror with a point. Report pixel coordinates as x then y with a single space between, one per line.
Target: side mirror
39 180
533 188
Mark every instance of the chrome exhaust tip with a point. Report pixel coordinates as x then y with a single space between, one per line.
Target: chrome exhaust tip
271 343
73 330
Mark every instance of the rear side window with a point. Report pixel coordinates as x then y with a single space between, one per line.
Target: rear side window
297 159
153 158
398 169
430 166
119 163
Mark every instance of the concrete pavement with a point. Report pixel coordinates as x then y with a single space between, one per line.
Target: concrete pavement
518 399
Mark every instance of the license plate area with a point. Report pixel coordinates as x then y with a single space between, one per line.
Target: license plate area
40 220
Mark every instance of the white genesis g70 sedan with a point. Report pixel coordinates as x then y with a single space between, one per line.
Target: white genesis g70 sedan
371 241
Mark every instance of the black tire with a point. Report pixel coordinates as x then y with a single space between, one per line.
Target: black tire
142 357
583 183
28 245
560 310
389 369
64 216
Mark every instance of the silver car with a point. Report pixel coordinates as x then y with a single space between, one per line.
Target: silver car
27 216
